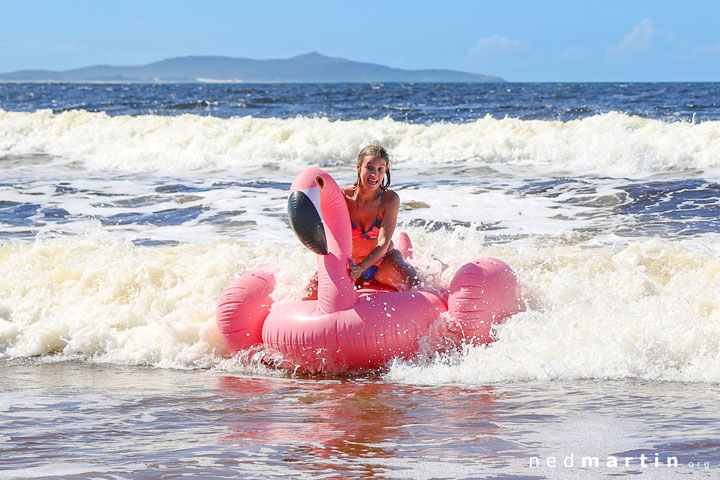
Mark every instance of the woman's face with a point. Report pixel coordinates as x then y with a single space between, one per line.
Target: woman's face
372 171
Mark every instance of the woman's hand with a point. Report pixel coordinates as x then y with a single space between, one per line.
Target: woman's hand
355 270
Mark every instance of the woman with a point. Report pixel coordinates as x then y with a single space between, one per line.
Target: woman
373 211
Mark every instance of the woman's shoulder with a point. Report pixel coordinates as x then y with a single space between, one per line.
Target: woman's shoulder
391 195
348 190
390 198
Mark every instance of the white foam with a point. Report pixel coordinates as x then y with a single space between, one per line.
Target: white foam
67 469
609 144
650 310
100 297
645 309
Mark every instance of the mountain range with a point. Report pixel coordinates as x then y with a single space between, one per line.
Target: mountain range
307 68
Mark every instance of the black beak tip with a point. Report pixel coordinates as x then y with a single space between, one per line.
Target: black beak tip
306 222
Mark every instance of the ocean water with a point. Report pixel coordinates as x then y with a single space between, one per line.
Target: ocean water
125 209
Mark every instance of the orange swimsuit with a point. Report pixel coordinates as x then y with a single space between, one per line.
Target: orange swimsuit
371 233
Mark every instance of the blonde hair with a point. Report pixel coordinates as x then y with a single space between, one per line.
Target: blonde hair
375 150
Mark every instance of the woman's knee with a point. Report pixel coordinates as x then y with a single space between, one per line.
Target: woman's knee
407 271
397 273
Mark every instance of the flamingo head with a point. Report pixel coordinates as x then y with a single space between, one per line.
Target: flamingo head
304 208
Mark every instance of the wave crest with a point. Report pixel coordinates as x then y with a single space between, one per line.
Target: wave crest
613 144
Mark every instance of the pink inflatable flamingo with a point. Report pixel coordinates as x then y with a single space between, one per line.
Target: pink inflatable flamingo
347 329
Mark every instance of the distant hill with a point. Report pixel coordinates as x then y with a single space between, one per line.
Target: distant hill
308 68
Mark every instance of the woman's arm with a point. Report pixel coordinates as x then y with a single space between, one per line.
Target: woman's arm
387 228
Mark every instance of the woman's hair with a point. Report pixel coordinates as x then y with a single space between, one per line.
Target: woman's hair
375 150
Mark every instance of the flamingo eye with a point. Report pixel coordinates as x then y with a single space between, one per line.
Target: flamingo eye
320 182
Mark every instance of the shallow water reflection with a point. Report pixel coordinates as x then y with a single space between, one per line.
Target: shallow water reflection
66 419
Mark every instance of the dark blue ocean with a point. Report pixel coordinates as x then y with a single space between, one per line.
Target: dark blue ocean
126 208
414 103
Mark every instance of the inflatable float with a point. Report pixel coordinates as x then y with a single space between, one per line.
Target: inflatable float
348 329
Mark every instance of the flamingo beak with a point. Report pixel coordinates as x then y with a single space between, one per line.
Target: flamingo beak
305 219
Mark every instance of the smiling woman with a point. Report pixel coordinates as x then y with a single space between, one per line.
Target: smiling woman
373 209
373 213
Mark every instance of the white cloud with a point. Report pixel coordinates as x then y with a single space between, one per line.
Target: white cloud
641 38
573 54
706 51
497 44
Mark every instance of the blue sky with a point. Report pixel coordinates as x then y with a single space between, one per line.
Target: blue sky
629 40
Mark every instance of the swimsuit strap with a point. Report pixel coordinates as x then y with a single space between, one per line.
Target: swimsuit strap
378 217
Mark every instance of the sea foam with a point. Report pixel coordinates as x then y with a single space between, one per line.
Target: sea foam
648 309
613 144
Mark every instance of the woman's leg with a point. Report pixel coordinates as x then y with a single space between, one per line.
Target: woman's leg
395 272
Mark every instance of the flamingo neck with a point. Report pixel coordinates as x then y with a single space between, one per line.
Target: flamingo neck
335 287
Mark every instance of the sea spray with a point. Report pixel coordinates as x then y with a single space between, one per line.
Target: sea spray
606 144
102 298
648 309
